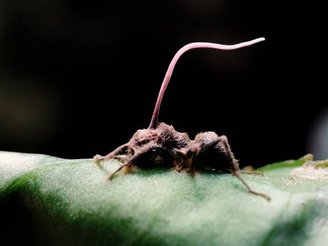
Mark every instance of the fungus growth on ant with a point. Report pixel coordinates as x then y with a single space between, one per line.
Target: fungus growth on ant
160 145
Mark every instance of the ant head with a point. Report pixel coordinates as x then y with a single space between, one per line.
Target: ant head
154 120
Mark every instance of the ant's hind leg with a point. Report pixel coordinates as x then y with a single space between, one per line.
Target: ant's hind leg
209 141
225 146
235 167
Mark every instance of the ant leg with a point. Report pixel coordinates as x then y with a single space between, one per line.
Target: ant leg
235 167
207 141
119 153
120 150
119 169
249 189
228 153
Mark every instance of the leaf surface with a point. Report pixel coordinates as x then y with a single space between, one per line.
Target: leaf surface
53 201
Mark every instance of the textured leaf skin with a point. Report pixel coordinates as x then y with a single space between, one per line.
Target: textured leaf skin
46 200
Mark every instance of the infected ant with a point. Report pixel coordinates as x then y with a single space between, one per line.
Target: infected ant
160 145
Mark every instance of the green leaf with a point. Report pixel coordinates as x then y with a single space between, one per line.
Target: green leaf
46 200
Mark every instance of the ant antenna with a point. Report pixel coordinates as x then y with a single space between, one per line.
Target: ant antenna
154 120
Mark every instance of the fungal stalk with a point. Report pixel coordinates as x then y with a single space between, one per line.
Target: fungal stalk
197 45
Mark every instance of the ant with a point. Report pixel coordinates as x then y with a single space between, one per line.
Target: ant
160 145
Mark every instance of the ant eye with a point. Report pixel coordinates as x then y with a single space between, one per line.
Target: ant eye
157 155
156 150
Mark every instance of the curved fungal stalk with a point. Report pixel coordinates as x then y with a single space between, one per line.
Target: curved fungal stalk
197 45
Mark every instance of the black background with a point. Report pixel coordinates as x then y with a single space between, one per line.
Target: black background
79 78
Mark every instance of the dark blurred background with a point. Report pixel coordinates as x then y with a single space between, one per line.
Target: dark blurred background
79 78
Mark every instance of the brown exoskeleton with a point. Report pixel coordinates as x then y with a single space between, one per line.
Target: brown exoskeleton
162 146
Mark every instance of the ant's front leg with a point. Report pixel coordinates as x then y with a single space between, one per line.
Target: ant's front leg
121 153
212 147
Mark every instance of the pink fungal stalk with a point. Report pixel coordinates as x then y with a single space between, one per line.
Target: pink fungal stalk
197 45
